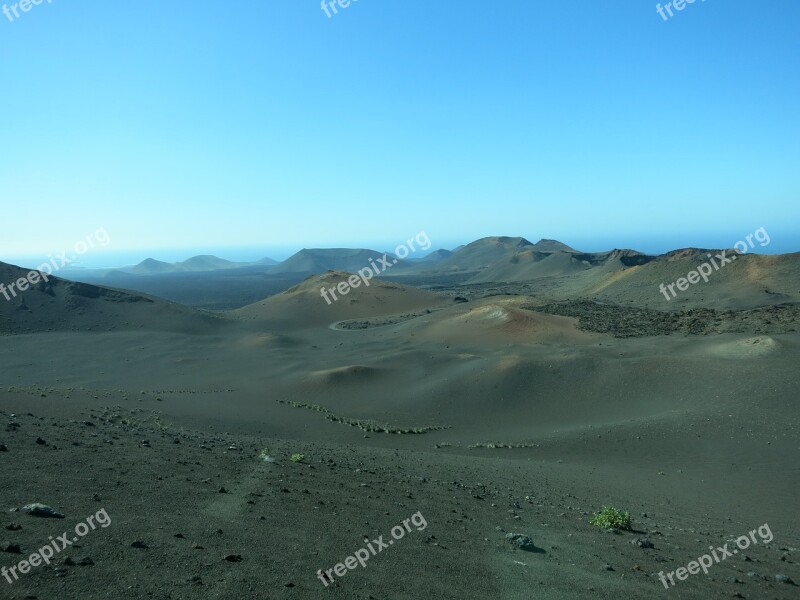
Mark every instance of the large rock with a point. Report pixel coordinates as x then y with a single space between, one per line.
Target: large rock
41 510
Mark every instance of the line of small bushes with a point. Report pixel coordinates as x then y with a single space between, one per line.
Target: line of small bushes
363 424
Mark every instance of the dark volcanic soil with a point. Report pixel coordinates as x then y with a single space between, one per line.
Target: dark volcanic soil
201 515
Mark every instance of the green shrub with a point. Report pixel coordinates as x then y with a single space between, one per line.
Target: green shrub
610 517
298 457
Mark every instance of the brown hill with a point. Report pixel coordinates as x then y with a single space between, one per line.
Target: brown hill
545 245
498 320
304 306
481 254
320 260
749 281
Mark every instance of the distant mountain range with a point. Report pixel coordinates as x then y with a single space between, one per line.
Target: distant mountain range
480 254
547 268
196 264
307 261
489 259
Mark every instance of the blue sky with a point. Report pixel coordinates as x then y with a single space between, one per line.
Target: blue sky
264 124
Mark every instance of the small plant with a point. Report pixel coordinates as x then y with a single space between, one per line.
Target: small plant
265 455
298 458
612 518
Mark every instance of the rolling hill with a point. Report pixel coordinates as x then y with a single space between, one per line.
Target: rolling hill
55 304
320 260
303 305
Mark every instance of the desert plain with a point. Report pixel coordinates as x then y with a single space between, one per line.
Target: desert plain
242 443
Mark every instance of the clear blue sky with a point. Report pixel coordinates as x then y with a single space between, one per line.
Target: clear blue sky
264 123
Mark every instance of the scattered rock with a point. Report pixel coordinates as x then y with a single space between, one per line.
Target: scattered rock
523 542
10 548
3 448
234 558
13 527
41 510
644 543
41 442
139 544
784 579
